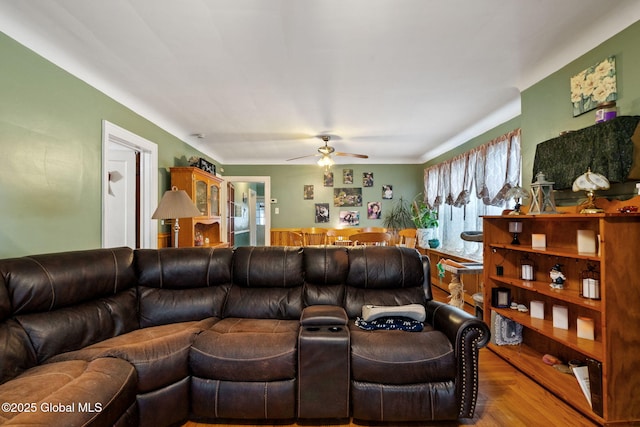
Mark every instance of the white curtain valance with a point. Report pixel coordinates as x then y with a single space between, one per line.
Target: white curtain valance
494 168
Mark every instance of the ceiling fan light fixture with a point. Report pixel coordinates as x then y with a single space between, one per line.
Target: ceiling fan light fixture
326 161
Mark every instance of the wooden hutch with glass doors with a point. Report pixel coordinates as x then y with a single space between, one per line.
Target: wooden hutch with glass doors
204 189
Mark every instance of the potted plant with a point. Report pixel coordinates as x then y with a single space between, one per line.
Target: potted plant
398 217
426 221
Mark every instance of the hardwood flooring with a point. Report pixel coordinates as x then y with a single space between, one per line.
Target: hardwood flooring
506 398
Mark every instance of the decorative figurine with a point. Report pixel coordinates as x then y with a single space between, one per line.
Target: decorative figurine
557 277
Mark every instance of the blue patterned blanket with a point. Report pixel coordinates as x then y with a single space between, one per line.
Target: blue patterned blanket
390 323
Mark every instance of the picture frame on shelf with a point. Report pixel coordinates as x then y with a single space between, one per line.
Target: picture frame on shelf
500 297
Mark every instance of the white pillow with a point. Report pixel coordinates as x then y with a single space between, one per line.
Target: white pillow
412 311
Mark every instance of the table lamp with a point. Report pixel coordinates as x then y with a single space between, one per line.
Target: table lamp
589 182
517 193
175 204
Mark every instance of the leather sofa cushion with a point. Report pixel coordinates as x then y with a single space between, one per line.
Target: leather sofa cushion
17 353
267 283
160 354
182 284
42 283
377 267
268 267
72 328
237 349
180 268
327 265
243 400
163 306
107 383
399 357
325 270
381 275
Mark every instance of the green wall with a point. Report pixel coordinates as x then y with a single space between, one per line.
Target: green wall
51 154
546 108
287 185
546 105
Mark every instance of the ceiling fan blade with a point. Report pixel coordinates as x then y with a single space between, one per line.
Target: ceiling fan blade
362 156
303 157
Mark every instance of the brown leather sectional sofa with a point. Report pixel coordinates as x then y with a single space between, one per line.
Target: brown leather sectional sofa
157 337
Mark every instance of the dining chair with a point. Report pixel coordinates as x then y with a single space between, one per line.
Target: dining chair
295 239
407 237
336 235
371 238
314 236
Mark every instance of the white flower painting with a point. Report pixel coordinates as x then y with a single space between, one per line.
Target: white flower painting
593 86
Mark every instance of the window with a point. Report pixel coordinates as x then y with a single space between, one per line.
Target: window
469 186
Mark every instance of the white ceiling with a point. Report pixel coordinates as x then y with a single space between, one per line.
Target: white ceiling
400 80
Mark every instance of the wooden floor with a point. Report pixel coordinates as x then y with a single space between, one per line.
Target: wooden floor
506 398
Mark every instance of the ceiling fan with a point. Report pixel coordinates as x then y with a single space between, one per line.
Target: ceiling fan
326 151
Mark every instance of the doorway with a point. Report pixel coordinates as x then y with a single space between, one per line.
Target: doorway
252 210
129 189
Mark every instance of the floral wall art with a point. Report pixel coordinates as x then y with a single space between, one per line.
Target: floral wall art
593 86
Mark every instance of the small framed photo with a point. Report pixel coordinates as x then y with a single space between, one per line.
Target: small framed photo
327 178
374 210
387 192
347 176
308 192
322 212
349 218
501 297
367 179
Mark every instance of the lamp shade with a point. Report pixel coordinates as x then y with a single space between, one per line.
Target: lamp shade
517 193
175 204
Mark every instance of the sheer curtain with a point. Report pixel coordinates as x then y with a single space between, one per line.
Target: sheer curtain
471 185
498 168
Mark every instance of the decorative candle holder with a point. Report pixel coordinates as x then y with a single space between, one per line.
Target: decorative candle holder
527 268
590 283
542 201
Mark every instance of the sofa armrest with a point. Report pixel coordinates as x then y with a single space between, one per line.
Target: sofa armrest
467 334
456 324
323 315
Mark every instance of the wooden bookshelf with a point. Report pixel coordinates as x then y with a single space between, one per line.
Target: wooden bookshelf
616 314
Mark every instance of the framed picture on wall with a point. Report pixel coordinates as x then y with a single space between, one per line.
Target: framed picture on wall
387 191
322 212
328 179
593 86
374 210
308 192
347 196
347 176
367 179
349 218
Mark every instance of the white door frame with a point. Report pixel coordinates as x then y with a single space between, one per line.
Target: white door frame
113 134
267 200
